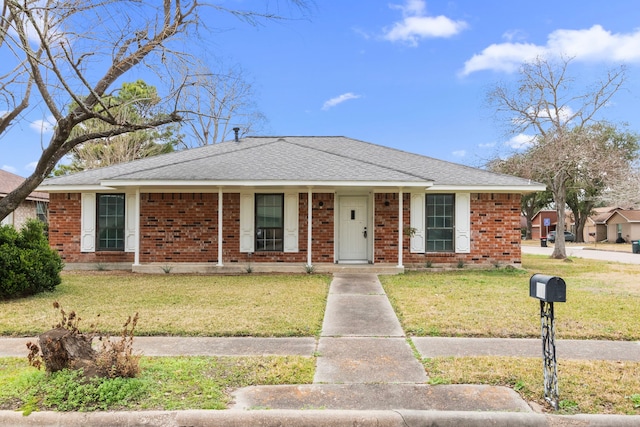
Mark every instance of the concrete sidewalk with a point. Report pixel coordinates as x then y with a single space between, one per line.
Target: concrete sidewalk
367 375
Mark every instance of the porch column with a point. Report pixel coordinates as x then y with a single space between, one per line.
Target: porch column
219 227
400 231
136 253
309 227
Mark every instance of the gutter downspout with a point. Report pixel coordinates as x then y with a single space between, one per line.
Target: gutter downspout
400 228
309 225
219 227
136 253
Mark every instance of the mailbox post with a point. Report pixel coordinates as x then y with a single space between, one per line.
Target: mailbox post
548 289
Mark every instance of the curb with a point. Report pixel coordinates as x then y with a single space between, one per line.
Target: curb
320 418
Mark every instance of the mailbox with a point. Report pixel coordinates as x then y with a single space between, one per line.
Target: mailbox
547 288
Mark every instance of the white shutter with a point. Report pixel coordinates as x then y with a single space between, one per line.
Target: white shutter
463 223
417 223
290 222
88 222
247 222
130 212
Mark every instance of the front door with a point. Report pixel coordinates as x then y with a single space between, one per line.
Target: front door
353 232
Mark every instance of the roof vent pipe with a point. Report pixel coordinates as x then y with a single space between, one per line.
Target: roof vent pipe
236 130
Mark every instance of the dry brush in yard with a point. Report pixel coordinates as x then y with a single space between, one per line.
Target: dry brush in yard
66 347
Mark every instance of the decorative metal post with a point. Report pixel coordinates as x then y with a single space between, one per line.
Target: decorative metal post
548 289
549 361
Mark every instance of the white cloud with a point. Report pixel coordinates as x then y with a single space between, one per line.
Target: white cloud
339 100
43 126
520 141
459 153
416 25
31 166
9 168
593 44
487 145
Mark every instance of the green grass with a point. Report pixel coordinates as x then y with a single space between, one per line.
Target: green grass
597 387
247 305
166 383
603 301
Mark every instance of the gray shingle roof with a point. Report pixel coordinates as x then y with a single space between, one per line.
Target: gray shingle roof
300 159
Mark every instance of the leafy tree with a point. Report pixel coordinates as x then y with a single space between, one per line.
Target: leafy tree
615 151
134 102
565 148
72 52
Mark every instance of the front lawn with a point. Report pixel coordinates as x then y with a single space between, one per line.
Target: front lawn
603 301
192 305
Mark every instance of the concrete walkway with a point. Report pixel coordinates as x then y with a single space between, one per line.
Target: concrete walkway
365 362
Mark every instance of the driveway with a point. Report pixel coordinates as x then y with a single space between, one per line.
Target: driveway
580 252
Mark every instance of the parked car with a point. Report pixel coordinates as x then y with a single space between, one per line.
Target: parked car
568 237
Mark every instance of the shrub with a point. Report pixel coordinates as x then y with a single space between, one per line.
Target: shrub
27 264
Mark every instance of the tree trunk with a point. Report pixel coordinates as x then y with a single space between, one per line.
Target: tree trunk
560 198
62 348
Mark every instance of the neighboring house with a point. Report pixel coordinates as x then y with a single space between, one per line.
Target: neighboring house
595 229
35 206
623 224
546 220
286 202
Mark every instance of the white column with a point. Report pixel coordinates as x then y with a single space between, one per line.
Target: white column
400 228
309 227
220 227
136 254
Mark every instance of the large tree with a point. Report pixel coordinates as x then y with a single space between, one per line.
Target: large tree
134 102
609 153
224 99
546 102
73 52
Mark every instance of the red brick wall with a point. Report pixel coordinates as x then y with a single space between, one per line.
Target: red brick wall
179 227
385 226
64 232
322 227
495 228
495 233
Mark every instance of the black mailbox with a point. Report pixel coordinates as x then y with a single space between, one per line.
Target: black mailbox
547 288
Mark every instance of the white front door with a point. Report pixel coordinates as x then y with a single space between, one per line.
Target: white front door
353 233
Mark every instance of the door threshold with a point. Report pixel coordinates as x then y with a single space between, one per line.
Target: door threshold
359 262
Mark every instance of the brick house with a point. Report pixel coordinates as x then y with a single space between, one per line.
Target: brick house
284 203
34 206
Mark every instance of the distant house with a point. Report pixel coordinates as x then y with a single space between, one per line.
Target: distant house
35 206
286 202
544 221
595 229
623 224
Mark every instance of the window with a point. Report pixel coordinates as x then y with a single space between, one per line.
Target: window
110 222
269 222
41 211
440 222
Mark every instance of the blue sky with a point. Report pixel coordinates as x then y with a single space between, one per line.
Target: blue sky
408 74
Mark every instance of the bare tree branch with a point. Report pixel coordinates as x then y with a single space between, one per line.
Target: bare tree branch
568 148
69 53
